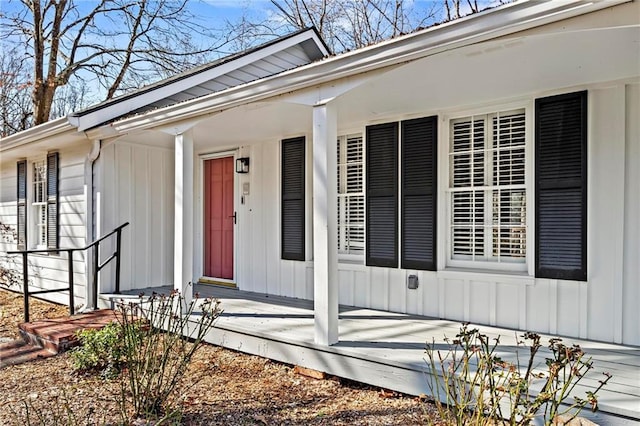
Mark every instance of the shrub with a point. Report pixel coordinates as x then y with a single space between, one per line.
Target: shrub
157 354
471 384
101 350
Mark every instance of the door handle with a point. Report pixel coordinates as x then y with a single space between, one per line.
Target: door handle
235 219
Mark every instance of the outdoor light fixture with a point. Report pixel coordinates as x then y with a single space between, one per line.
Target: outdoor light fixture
242 165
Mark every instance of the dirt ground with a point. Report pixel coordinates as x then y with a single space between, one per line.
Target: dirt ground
223 387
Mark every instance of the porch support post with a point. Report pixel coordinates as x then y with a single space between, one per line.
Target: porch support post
325 224
183 232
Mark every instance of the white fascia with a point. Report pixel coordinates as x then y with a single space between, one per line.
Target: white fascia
43 131
509 19
132 102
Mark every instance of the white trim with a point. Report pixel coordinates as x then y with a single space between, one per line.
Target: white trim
38 208
444 215
344 225
129 103
236 202
508 19
40 132
506 277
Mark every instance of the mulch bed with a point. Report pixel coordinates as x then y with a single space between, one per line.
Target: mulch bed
223 387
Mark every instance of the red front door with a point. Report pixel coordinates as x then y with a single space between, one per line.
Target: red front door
218 218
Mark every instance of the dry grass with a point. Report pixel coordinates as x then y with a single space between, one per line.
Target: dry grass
234 389
12 312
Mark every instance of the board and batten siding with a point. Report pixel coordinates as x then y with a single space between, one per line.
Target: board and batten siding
603 308
135 184
50 271
259 267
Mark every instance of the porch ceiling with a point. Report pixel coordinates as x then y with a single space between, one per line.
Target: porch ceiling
254 123
489 72
494 71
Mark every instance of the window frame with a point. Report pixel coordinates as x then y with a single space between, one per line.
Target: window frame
342 140
34 233
445 247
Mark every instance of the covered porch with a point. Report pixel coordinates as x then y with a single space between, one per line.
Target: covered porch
387 349
152 174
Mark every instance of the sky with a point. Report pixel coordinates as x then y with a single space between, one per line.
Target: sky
218 15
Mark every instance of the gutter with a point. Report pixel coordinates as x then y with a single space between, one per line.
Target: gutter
42 131
476 28
90 229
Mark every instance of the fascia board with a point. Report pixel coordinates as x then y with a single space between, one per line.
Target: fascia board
43 131
117 109
479 28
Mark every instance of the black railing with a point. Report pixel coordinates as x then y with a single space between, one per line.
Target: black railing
97 266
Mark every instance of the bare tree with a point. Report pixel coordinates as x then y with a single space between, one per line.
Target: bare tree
351 24
15 103
118 43
454 9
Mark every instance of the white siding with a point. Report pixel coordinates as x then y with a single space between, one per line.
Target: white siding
51 271
552 306
136 185
259 267
631 247
604 308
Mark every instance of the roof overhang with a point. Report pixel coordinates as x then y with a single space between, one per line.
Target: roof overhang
488 25
282 54
46 131
101 121
56 135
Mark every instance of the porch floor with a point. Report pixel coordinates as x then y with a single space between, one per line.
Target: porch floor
388 349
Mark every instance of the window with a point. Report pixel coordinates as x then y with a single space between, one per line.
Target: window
350 195
487 189
39 203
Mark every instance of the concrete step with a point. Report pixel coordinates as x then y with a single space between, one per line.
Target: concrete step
59 334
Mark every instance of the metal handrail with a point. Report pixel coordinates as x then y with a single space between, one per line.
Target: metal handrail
97 266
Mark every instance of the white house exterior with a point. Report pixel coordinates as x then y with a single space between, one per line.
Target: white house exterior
496 159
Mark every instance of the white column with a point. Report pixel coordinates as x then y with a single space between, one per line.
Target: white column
325 224
183 232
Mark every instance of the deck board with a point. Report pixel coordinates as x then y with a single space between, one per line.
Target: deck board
388 349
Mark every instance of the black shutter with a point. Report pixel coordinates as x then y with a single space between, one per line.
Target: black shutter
561 187
22 205
293 190
52 201
419 185
382 195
